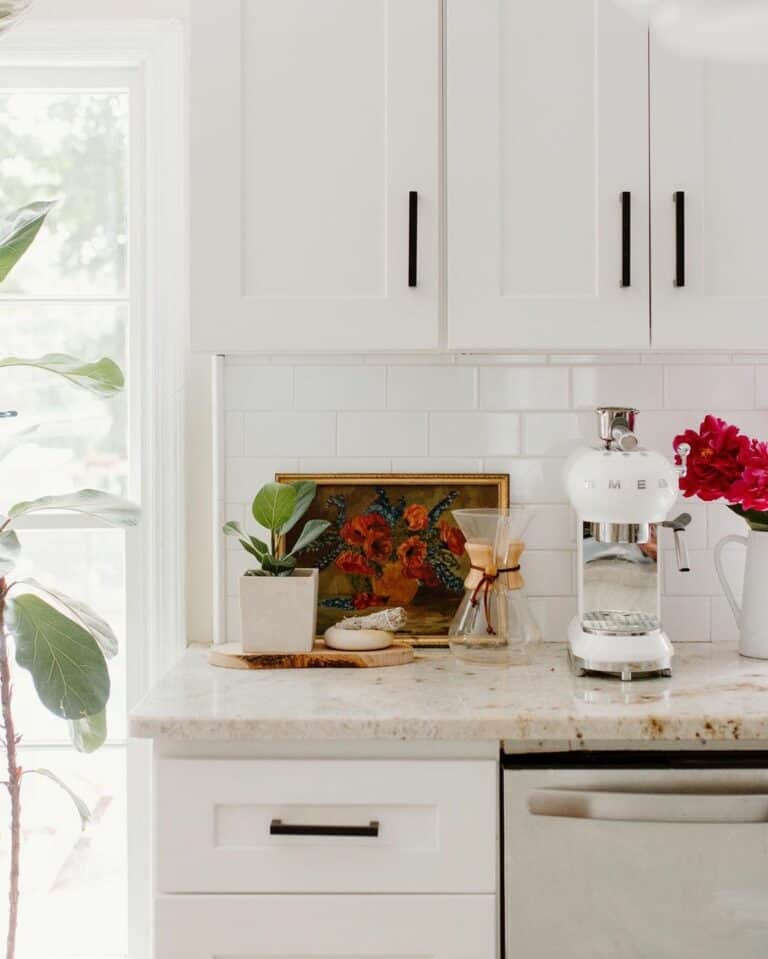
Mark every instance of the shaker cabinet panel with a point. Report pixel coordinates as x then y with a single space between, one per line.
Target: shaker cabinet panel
709 145
326 927
315 202
547 129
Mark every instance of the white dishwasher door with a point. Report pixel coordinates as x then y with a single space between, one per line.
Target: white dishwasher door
636 864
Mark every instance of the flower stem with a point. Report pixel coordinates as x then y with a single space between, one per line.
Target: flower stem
13 784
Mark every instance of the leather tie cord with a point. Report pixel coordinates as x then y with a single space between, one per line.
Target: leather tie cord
488 580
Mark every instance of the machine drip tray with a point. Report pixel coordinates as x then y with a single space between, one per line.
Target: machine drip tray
626 672
613 622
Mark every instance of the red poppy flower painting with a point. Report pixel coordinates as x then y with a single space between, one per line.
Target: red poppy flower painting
392 541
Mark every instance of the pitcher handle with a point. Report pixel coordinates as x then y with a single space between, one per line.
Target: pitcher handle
736 609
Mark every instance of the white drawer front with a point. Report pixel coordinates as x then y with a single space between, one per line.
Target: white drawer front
326 927
221 826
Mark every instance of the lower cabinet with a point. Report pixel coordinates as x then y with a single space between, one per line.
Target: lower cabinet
326 927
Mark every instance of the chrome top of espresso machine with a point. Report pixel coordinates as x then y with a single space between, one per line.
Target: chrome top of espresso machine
622 494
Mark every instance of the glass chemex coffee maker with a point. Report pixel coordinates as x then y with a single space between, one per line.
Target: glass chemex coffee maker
494 625
622 494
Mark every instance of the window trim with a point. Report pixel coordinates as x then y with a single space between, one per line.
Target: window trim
154 51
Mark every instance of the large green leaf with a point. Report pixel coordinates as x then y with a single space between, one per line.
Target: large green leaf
67 665
82 810
278 567
757 519
112 509
305 493
311 531
10 548
18 230
94 624
89 733
104 377
274 505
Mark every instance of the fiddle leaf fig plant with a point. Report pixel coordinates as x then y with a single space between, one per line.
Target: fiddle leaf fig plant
60 641
278 507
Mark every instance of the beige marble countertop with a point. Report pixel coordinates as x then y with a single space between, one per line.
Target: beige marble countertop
715 698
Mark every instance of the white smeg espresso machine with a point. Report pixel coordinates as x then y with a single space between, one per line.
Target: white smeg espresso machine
622 494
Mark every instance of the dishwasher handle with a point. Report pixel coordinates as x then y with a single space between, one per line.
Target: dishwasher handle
650 807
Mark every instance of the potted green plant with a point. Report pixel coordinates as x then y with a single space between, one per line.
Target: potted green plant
63 643
278 601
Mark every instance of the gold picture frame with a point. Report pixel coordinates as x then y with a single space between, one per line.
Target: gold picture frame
393 542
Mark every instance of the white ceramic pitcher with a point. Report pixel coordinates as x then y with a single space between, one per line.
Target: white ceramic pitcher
752 615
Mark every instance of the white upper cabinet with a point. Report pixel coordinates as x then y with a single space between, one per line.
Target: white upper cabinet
709 146
547 130
315 152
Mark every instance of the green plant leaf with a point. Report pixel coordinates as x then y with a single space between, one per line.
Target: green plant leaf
88 733
10 548
18 230
104 377
279 567
305 493
82 810
94 624
232 529
253 545
67 665
274 505
313 529
112 509
755 518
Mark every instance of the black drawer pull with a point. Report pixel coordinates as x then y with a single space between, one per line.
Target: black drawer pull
279 828
626 238
679 238
413 238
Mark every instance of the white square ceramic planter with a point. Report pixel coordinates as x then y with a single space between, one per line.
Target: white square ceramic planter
279 613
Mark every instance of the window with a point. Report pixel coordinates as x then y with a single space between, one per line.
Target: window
80 103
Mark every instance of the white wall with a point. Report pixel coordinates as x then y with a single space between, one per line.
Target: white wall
515 414
108 9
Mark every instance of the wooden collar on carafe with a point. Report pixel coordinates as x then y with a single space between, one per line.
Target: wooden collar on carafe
481 559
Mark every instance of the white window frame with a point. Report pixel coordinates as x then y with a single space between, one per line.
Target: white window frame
148 57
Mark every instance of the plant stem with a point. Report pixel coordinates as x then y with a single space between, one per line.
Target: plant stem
13 785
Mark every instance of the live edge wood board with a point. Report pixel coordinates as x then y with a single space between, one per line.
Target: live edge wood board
231 656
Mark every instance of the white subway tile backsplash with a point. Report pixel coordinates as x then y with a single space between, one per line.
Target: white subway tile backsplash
556 434
258 387
430 388
340 388
712 388
233 434
519 414
500 359
686 618
345 464
523 388
724 628
548 572
553 615
474 434
290 434
639 386
761 387
437 464
244 476
382 434
531 480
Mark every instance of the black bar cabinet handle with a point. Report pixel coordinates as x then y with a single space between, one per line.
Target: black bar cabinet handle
626 238
679 238
413 237
279 828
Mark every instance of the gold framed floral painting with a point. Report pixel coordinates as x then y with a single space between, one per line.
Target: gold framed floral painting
392 541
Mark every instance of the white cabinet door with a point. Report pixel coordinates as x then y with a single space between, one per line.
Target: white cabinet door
312 123
547 127
326 927
709 143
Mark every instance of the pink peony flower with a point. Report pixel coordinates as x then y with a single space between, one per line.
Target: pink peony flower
714 463
751 490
